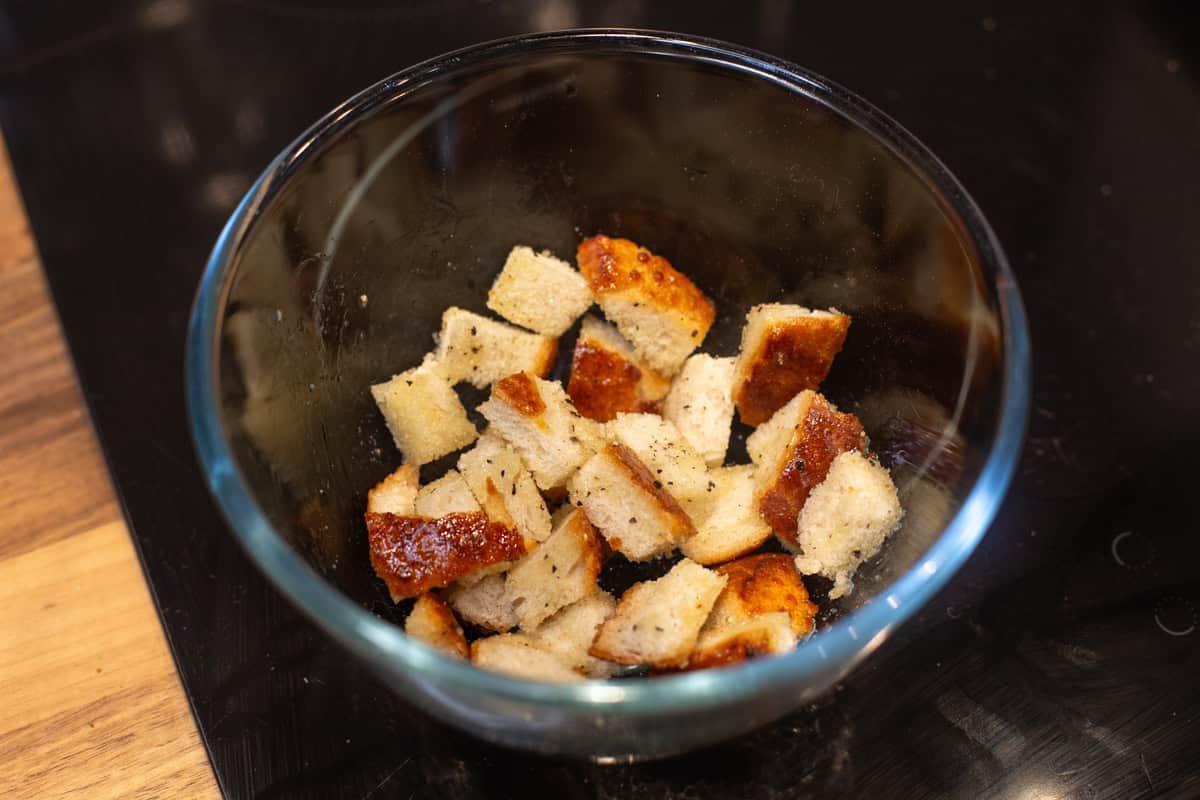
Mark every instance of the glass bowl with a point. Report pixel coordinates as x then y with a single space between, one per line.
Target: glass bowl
761 181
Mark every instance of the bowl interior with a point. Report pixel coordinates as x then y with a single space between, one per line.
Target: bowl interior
758 193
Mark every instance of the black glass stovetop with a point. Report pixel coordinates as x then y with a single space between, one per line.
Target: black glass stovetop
1062 661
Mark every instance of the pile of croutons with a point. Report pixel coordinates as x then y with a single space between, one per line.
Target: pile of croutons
632 452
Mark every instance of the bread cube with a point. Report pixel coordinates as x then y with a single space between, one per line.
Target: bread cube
661 447
481 351
628 504
793 451
415 554
449 494
539 292
537 420
395 494
727 521
785 350
423 413
560 571
766 635
758 585
662 313
569 633
658 622
503 487
484 603
518 655
607 377
700 405
846 520
432 622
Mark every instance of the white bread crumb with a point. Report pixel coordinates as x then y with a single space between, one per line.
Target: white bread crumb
449 494
432 622
395 494
480 350
557 573
570 632
503 487
700 405
484 603
423 413
518 655
764 635
729 526
664 450
539 292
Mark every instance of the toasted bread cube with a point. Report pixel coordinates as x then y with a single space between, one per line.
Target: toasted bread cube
432 622
560 571
655 306
846 520
518 655
607 376
537 420
658 622
793 451
758 585
729 524
701 405
785 350
570 632
661 447
484 603
766 635
423 413
503 487
395 494
620 496
449 494
481 351
539 292
415 554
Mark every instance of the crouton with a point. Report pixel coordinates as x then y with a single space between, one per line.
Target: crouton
481 351
519 656
569 633
662 313
539 292
484 603
395 494
700 405
432 622
793 451
628 504
658 622
503 487
758 585
766 635
607 377
846 520
415 554
785 350
537 420
449 494
661 447
728 524
423 413
557 573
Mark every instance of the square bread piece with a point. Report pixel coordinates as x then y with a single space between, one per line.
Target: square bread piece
449 494
481 351
537 420
432 622
627 504
519 656
663 449
728 524
503 487
560 571
766 635
785 350
793 451
700 405
762 584
658 622
397 493
846 520
607 377
423 413
662 313
484 603
539 292
569 633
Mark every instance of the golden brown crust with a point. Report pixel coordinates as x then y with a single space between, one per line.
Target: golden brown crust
680 524
546 363
824 434
448 633
591 543
613 266
791 356
415 554
744 646
604 383
520 391
764 584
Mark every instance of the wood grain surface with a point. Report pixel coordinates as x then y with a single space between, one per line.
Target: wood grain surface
90 703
